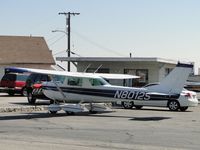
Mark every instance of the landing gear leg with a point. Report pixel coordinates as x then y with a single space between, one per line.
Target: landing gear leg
91 109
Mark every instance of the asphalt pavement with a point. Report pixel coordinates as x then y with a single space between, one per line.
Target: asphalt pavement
28 127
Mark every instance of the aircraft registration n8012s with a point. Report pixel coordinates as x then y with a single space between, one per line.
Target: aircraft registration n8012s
80 88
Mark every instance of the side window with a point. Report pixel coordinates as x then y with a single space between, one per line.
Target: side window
21 77
95 82
59 78
44 78
143 80
74 81
9 77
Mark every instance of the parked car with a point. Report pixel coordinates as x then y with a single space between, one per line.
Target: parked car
13 83
34 87
187 98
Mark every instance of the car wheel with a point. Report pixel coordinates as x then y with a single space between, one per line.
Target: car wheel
127 104
183 108
138 107
24 92
11 93
31 98
173 105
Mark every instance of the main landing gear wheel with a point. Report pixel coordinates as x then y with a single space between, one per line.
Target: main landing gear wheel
173 105
53 112
127 104
69 112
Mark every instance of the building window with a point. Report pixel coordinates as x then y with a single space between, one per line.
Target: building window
100 70
143 80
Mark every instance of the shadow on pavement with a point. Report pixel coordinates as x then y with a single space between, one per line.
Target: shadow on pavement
102 115
31 116
149 118
153 109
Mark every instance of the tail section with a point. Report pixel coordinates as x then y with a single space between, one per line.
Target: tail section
174 82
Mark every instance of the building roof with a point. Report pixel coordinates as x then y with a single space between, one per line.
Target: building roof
116 59
24 49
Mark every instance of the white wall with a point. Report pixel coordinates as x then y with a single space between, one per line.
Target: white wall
156 70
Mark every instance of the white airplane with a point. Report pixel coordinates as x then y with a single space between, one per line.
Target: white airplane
81 88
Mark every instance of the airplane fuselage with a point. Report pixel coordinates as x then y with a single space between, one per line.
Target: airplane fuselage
102 93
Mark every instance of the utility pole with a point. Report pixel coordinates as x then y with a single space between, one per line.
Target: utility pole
68 30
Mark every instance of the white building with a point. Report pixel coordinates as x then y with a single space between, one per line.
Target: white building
150 69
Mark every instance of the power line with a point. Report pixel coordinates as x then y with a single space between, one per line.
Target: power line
97 44
56 40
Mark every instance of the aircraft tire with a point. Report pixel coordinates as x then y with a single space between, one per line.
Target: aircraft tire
183 108
93 112
69 113
53 112
173 105
127 104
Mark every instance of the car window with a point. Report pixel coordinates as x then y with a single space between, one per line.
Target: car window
10 77
21 77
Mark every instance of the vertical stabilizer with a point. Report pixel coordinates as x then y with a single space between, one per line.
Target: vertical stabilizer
174 81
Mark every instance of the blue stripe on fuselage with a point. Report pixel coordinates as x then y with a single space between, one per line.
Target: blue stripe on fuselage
121 94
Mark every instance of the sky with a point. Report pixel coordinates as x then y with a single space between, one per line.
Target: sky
110 28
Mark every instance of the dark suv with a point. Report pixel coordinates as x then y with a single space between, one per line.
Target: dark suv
12 83
34 87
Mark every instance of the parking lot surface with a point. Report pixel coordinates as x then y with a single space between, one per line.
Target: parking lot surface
149 128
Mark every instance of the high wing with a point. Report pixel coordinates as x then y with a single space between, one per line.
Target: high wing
116 76
72 74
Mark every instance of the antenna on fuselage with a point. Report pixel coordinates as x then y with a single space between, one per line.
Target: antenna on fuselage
98 68
87 67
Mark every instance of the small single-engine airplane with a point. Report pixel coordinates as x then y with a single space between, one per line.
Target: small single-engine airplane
81 88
